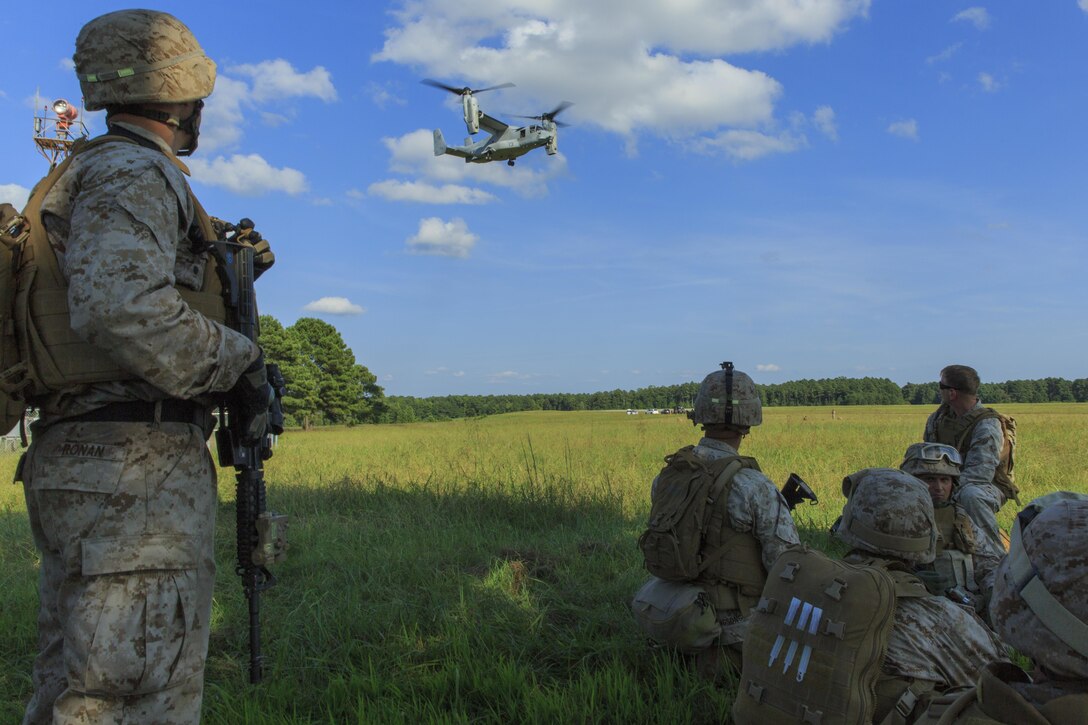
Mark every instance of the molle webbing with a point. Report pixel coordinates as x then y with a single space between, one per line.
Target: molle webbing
55 357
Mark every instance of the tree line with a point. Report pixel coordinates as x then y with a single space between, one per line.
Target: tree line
826 391
326 385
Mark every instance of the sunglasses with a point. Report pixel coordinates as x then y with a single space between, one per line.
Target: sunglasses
943 386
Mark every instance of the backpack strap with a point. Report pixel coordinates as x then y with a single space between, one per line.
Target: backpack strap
973 418
723 484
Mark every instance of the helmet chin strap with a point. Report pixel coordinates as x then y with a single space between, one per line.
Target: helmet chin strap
190 124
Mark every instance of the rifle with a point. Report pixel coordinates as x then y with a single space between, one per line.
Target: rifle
795 490
261 534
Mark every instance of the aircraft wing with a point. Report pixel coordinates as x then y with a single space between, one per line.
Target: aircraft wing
494 125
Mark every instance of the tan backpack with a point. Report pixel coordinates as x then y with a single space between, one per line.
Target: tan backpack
1004 475
817 638
686 493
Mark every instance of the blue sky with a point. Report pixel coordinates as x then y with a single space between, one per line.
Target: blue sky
811 189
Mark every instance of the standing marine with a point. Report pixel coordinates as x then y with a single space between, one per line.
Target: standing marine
120 487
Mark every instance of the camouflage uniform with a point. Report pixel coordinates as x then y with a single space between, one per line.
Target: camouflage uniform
1053 568
936 641
977 493
978 551
753 506
933 642
123 512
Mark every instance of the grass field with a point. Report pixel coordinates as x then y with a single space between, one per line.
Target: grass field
479 570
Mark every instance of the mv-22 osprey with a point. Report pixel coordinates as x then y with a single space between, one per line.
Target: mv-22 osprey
505 142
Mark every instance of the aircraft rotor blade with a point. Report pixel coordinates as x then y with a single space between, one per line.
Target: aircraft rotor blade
443 86
494 88
462 91
550 115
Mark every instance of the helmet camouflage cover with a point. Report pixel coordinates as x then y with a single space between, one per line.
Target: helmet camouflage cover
889 512
715 406
140 56
934 459
1040 597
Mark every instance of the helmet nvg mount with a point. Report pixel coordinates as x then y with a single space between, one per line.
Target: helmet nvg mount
727 397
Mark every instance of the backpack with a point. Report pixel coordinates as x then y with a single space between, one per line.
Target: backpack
1004 476
676 615
817 638
14 231
682 502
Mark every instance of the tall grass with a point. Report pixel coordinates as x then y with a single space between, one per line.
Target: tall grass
479 570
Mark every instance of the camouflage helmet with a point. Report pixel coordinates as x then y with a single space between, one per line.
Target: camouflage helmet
1040 596
935 459
729 397
889 512
140 56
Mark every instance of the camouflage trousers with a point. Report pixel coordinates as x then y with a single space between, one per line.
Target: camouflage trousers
123 515
982 502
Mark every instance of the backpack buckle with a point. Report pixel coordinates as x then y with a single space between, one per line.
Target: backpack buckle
906 702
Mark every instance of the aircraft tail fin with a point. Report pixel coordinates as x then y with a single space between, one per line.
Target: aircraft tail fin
439 143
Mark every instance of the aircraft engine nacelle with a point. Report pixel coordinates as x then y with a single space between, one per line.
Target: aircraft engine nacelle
552 147
472 113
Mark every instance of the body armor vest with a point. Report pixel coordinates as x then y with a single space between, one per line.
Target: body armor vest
41 352
955 546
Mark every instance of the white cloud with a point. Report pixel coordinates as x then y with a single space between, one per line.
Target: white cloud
768 368
507 376
741 145
904 129
233 100
988 83
276 79
382 98
334 306
248 175
423 192
977 16
223 116
1083 5
947 53
824 118
67 64
659 69
444 239
14 194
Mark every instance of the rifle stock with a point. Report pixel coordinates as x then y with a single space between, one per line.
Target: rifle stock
261 534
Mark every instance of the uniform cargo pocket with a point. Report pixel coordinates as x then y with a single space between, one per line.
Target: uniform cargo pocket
133 629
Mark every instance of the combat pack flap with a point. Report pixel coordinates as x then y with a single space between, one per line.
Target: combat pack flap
816 640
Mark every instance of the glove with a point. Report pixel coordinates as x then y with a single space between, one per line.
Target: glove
251 397
936 583
263 258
